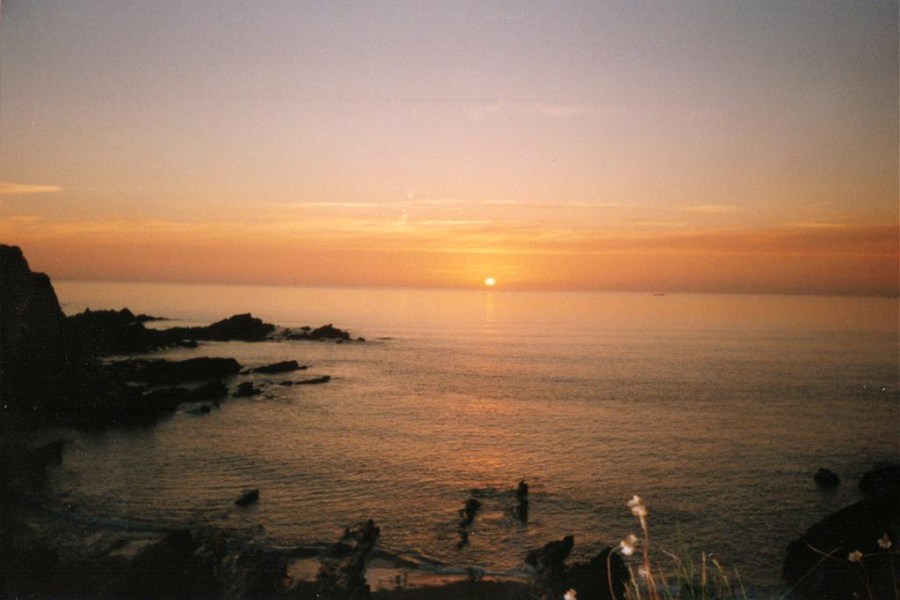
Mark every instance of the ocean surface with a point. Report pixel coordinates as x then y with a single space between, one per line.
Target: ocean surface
716 409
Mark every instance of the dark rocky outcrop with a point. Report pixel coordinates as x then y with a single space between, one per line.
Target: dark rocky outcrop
882 483
285 366
180 564
826 478
593 580
246 389
822 564
244 327
163 372
324 333
109 332
343 569
36 357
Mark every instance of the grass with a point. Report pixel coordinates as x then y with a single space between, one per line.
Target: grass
682 578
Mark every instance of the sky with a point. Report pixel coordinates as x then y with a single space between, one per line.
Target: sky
703 146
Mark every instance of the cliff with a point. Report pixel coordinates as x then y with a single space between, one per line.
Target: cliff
34 350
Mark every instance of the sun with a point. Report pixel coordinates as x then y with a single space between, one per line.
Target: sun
490 282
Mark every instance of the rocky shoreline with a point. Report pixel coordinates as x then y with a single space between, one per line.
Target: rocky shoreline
79 371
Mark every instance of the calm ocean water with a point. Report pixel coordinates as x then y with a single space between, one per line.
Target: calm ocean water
717 409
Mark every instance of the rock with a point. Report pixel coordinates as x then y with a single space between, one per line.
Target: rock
36 358
325 333
160 371
246 389
107 332
279 367
244 327
882 483
553 553
818 565
826 478
247 498
314 380
343 568
549 567
594 579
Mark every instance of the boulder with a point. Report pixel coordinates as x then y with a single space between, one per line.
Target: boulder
822 563
826 478
882 483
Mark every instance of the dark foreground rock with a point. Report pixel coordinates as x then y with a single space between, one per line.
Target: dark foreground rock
343 569
604 577
36 356
163 372
852 552
826 478
181 564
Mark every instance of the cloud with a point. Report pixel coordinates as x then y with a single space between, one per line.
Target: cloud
717 209
11 188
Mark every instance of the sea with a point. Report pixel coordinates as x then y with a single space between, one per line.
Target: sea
716 409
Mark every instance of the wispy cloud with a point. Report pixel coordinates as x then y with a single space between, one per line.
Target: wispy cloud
11 188
716 209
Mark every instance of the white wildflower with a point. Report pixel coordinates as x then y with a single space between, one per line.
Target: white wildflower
884 542
637 506
855 556
570 595
627 545
643 573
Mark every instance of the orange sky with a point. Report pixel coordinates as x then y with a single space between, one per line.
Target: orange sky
747 147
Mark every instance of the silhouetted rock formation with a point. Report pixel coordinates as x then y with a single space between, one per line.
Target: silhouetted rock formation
246 389
36 358
592 580
343 571
108 332
324 333
824 563
284 366
882 483
244 327
182 564
157 371
826 478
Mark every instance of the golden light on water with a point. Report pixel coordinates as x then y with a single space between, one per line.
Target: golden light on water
490 282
